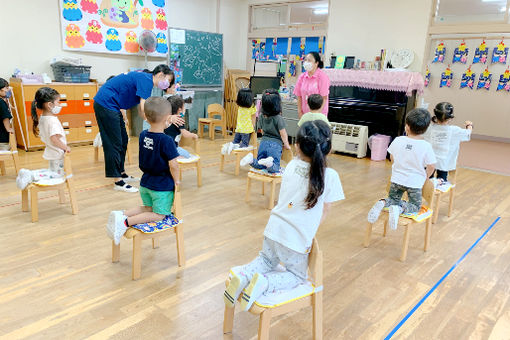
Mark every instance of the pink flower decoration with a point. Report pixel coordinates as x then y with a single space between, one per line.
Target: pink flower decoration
507 87
449 83
502 59
487 85
463 59
484 59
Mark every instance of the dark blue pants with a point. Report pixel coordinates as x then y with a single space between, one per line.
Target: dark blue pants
243 139
115 139
268 148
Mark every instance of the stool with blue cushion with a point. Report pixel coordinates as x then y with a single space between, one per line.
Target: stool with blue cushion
154 230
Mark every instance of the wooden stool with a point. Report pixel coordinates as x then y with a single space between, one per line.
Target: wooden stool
240 153
272 180
12 154
128 152
138 236
193 162
429 196
452 178
35 188
314 300
213 110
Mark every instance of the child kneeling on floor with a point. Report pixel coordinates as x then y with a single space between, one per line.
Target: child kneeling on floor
158 161
49 128
307 190
178 131
413 162
245 122
274 135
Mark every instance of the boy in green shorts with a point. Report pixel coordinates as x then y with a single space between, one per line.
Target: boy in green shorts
158 161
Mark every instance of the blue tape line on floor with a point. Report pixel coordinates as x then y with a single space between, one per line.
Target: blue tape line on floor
411 312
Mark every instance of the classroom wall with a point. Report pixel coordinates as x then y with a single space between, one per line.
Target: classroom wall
31 35
363 27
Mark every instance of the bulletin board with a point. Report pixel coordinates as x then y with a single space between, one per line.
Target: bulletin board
112 26
473 98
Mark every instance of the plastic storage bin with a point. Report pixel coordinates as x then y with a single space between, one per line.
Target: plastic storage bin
379 146
71 74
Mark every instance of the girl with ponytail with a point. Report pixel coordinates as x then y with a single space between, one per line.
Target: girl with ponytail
52 134
308 188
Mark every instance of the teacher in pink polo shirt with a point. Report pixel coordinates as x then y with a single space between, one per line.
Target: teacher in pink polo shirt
313 81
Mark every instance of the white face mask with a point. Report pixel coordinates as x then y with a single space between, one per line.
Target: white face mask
56 110
308 66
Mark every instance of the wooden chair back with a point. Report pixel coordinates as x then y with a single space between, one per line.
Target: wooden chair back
216 110
190 142
315 264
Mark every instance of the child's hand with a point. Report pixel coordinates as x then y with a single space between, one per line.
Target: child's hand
68 149
194 136
287 146
177 183
468 122
10 130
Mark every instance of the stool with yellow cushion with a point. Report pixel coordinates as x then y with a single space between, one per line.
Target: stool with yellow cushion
272 305
424 215
264 177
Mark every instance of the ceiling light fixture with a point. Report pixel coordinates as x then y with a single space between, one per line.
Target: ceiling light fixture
320 11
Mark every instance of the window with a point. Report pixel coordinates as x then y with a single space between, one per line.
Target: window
466 11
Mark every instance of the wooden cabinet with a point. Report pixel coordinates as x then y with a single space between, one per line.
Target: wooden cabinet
77 114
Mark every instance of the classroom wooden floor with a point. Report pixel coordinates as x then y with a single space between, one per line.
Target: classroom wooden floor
57 279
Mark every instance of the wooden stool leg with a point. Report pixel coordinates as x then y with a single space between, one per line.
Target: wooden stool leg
428 231
96 154
264 324
222 162
405 245
212 130
72 196
228 319
272 196
2 168
248 189
368 235
155 242
317 316
137 258
435 213
199 174
34 204
115 252
15 159
238 163
385 228
450 205
61 196
200 129
179 237
24 200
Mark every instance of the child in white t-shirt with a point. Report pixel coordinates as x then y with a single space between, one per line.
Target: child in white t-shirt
413 162
307 190
52 134
445 140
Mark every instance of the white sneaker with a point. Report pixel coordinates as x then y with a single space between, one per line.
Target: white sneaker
235 287
110 226
130 179
235 147
246 160
224 149
393 216
255 289
25 177
267 162
230 147
126 188
374 213
119 227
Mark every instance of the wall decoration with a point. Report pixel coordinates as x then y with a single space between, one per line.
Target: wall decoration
73 37
461 53
112 26
484 82
311 44
504 81
468 79
481 53
446 78
270 49
282 46
302 46
439 53
175 62
93 33
427 77
500 53
292 66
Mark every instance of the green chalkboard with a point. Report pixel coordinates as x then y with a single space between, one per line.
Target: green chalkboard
199 60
